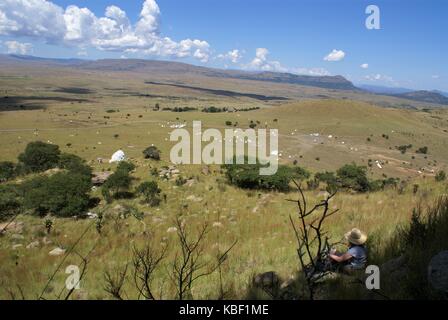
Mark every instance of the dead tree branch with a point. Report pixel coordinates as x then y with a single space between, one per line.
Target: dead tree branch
311 238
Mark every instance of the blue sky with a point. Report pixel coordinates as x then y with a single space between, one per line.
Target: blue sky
409 50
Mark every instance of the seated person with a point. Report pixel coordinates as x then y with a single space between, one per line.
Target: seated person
356 256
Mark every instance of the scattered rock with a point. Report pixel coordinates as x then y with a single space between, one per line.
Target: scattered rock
217 224
171 230
13 227
17 237
438 272
46 241
91 215
190 182
57 252
205 170
99 178
194 198
33 245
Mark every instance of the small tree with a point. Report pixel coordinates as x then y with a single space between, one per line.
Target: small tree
64 194
7 171
152 153
422 150
126 166
118 182
39 156
440 176
10 202
353 177
150 191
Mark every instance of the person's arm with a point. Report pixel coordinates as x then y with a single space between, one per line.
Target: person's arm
345 257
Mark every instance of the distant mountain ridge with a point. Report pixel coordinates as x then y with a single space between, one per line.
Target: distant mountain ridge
142 66
424 96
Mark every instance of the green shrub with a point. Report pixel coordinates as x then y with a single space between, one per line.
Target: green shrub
422 150
7 171
440 176
10 201
39 156
247 176
119 181
126 166
353 177
152 153
74 164
64 194
150 191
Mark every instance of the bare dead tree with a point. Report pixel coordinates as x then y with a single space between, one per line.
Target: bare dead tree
313 241
145 262
189 265
114 282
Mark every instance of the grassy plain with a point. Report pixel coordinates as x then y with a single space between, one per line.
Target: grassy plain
348 131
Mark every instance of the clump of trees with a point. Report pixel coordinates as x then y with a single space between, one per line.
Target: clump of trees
180 109
10 201
63 194
7 171
39 156
404 148
247 176
213 109
152 152
422 150
354 177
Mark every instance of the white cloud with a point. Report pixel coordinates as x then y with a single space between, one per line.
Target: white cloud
261 62
234 56
312 71
435 76
335 55
42 20
365 66
380 78
15 47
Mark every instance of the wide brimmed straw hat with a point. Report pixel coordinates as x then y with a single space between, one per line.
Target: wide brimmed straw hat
356 236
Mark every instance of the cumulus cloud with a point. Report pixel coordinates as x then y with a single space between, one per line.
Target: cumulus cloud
335 55
234 56
75 26
312 71
365 66
380 78
15 47
262 63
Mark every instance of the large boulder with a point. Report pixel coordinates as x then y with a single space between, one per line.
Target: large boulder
438 271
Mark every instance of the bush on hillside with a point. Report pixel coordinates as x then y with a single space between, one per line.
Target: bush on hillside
74 164
126 166
63 194
440 176
118 184
150 191
352 176
39 156
10 202
7 171
152 153
247 176
422 150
